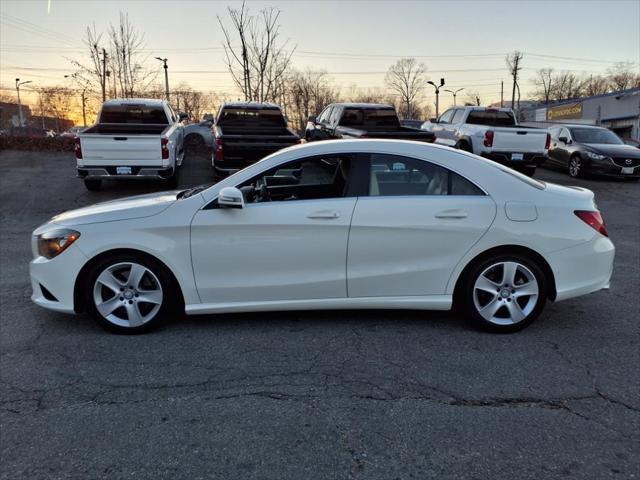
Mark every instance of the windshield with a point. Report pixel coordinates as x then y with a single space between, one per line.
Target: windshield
493 118
367 117
271 117
595 135
141 114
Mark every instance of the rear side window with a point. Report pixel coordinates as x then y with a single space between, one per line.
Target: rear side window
457 117
393 175
141 114
492 118
369 118
268 117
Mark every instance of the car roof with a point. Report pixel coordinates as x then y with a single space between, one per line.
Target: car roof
578 125
252 105
135 101
363 105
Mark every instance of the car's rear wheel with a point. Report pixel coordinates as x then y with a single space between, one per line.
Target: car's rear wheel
93 184
504 293
127 294
575 167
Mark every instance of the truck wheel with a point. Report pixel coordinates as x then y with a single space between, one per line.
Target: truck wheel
528 171
172 181
93 184
464 146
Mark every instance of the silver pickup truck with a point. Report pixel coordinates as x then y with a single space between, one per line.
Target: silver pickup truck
492 133
133 139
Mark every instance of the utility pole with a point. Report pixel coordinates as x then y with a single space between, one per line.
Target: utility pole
20 116
166 77
104 75
501 93
454 93
513 61
437 87
83 95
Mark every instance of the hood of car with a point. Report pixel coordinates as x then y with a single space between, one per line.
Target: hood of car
123 209
617 151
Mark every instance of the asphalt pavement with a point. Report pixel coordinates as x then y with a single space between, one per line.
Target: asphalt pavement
312 395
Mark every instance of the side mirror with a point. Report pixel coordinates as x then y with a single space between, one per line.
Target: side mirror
563 139
183 116
230 197
312 119
433 120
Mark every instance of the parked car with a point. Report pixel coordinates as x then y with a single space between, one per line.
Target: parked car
492 133
582 149
632 142
135 138
199 135
330 225
361 120
246 132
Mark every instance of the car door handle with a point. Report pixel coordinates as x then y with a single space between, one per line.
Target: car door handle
323 215
455 213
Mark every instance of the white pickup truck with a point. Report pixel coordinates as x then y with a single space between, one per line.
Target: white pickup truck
492 133
135 138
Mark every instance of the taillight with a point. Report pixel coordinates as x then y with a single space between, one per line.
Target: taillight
164 146
78 148
488 138
548 142
593 219
219 149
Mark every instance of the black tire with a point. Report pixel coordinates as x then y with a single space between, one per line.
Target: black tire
169 306
464 146
575 167
173 180
93 184
505 298
528 171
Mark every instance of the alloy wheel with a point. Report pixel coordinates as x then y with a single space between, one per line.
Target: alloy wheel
575 167
506 293
127 294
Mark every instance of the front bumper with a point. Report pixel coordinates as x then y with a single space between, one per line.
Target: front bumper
53 281
137 172
584 268
610 169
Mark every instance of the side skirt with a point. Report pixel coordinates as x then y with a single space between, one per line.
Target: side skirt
431 302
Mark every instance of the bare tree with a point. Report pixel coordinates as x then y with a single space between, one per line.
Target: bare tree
514 62
308 92
544 84
94 69
624 75
256 57
55 102
566 85
595 85
472 98
407 78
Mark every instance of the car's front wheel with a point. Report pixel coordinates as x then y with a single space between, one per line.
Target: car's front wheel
127 294
504 293
575 167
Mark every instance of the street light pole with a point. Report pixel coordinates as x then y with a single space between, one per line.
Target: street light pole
454 93
20 116
437 87
166 76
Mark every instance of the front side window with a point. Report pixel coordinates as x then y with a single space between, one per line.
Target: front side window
304 179
324 116
446 116
393 175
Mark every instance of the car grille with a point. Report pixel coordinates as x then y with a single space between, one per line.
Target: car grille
622 162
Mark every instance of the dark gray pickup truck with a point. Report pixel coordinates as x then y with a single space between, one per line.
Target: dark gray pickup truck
245 132
361 120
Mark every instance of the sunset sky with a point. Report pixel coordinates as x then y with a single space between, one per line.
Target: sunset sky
356 42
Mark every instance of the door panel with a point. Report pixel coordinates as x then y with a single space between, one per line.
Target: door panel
409 245
284 250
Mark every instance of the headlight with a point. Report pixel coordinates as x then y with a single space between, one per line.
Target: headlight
596 156
53 243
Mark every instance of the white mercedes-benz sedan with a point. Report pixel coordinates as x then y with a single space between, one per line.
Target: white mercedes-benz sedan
347 224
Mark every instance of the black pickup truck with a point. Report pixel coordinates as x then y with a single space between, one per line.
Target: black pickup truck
361 120
245 132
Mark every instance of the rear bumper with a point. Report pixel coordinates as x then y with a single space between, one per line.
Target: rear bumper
504 158
583 269
137 172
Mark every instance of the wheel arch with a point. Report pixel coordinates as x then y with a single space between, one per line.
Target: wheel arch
505 249
82 278
465 139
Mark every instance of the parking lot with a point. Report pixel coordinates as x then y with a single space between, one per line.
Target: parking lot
313 395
